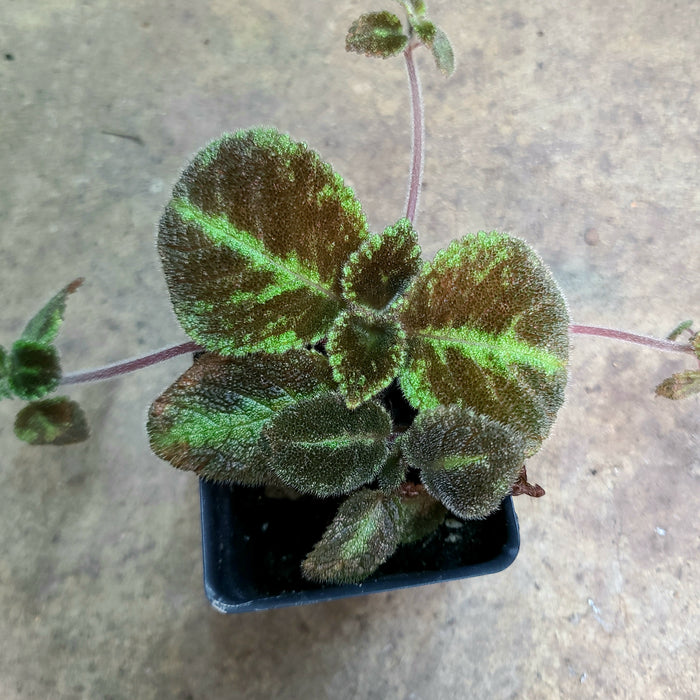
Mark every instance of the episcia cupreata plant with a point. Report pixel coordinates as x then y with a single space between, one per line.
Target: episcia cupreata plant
309 329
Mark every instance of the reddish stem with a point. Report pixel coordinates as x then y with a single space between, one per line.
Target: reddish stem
126 366
417 137
656 343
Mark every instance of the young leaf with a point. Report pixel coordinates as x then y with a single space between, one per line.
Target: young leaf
365 354
487 328
54 421
393 472
382 266
43 327
419 513
320 446
35 369
253 242
210 420
467 461
361 537
442 52
680 328
680 385
377 34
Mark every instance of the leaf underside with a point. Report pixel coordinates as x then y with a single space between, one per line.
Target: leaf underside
54 421
322 447
365 353
253 242
467 461
378 34
487 327
211 419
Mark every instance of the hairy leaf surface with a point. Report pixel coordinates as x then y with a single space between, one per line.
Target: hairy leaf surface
43 327
361 537
467 461
680 385
378 34
253 242
35 369
487 327
420 514
210 420
54 421
383 266
365 353
322 447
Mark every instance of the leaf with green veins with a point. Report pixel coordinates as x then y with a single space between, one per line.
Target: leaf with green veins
419 513
35 369
382 266
487 327
54 421
320 446
44 326
680 385
361 537
211 419
467 461
253 242
680 328
366 353
378 34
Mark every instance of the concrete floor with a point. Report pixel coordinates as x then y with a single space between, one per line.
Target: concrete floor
574 125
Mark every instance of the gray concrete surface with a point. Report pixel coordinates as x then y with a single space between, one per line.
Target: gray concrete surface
572 124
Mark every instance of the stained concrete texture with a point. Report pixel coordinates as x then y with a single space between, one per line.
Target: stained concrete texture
574 125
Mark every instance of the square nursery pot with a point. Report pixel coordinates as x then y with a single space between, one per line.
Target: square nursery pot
253 546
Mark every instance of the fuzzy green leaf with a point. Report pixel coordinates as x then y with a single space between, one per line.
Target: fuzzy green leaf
487 327
383 266
43 327
210 420
5 390
54 421
419 513
322 447
680 328
393 472
361 537
442 52
253 242
377 34
35 369
680 385
467 461
365 353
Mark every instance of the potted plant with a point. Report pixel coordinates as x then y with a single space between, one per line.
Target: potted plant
337 374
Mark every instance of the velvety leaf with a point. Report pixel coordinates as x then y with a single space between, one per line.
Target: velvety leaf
35 369
43 327
383 266
365 353
442 52
54 421
487 327
467 461
419 513
680 328
680 385
322 447
377 34
210 420
253 242
393 472
361 537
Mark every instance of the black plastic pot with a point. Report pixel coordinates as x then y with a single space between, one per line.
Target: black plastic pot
253 546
